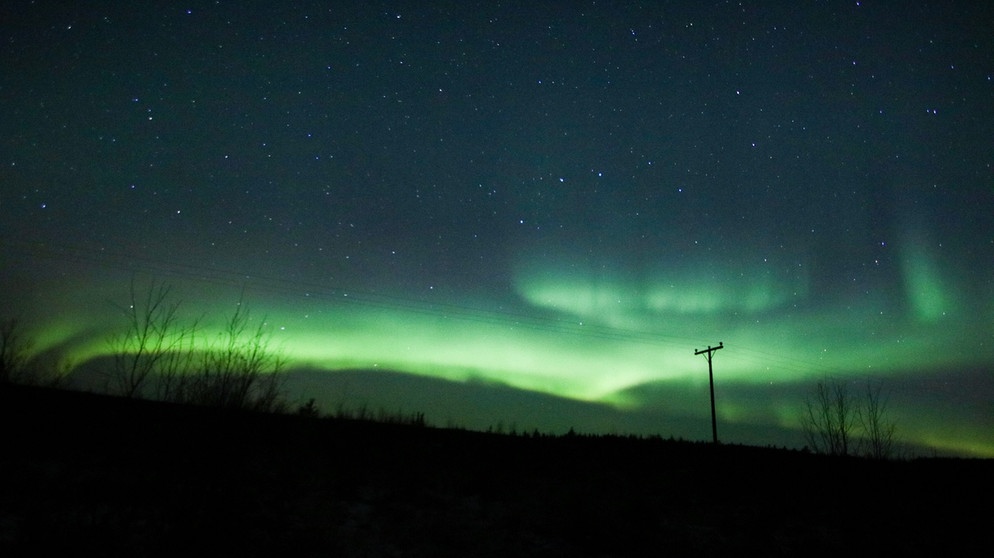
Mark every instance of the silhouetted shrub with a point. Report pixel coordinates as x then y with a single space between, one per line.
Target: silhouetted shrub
158 356
836 422
309 409
14 351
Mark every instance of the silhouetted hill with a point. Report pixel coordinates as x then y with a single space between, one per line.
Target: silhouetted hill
476 405
96 475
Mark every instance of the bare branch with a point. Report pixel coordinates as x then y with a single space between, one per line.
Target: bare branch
835 422
878 432
153 344
14 352
829 419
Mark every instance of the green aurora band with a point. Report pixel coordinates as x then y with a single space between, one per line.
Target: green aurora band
602 340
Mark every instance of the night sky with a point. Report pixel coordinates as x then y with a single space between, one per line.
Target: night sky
525 213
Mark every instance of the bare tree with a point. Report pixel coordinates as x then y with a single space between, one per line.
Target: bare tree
152 347
14 352
239 369
878 432
829 419
158 356
835 422
19 364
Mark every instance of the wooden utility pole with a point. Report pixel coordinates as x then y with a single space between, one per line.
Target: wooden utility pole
708 353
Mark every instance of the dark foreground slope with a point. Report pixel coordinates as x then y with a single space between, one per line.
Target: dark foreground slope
100 476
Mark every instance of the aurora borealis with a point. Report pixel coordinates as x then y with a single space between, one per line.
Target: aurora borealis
525 213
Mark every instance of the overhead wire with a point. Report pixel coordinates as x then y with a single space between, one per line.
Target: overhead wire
339 294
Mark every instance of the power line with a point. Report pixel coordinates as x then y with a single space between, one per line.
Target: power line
339 294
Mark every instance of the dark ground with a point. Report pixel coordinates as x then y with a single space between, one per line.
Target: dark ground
100 476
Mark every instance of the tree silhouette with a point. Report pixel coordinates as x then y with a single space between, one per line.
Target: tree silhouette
835 422
157 356
829 418
152 344
878 432
238 369
14 351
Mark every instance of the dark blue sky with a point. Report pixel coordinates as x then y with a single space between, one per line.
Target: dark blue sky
799 181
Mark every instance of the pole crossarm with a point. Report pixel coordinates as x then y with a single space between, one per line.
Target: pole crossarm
709 353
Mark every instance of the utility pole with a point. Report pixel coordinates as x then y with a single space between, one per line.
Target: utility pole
709 352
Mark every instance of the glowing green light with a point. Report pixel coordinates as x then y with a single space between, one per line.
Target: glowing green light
709 290
602 341
454 349
926 290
